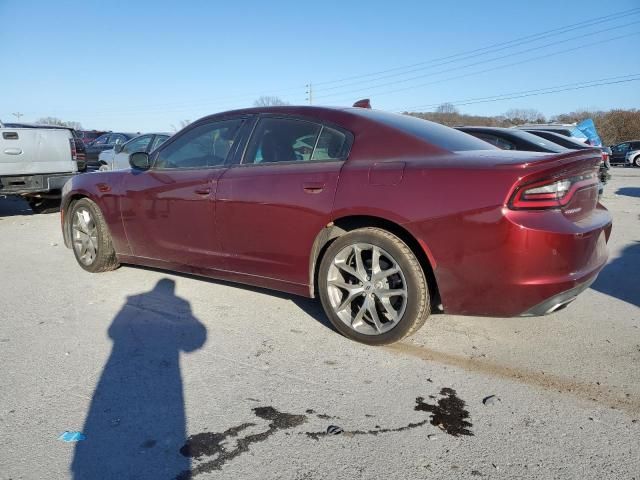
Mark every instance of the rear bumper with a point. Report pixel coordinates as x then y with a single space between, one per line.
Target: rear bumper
504 263
559 301
39 183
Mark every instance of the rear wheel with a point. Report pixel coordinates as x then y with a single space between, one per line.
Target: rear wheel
90 237
636 161
372 287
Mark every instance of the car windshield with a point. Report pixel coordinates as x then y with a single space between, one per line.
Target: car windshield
434 133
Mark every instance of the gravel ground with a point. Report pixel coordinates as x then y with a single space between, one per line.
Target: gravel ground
172 376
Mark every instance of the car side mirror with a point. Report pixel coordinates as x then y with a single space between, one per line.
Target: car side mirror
117 147
140 161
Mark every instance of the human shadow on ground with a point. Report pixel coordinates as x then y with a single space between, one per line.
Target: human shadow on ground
629 191
621 277
136 422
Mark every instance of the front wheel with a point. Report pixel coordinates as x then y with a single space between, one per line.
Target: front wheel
636 161
372 287
90 237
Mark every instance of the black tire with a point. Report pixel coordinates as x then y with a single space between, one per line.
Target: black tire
105 256
636 161
44 205
417 306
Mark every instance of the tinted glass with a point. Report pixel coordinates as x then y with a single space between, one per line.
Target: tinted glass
444 137
567 142
205 146
138 144
102 140
159 140
495 141
330 146
623 147
282 140
116 138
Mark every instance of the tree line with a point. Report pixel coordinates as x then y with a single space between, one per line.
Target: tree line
614 126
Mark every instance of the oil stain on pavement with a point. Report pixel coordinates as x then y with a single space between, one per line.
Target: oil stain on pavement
449 414
212 451
209 444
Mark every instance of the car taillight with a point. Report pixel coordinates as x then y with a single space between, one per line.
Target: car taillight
72 144
554 193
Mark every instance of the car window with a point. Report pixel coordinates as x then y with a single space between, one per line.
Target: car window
116 139
330 146
159 140
102 140
623 147
282 140
635 145
207 145
138 144
501 143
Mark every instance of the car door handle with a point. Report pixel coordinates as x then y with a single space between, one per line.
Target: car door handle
202 191
313 187
13 151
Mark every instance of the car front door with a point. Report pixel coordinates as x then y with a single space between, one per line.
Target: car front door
168 211
619 152
271 206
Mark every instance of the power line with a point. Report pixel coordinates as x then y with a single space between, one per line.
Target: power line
395 82
498 67
531 93
516 42
180 106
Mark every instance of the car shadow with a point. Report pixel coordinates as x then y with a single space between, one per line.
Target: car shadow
619 278
14 206
136 422
629 191
310 306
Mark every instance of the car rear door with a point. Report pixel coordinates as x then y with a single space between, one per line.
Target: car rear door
168 210
271 206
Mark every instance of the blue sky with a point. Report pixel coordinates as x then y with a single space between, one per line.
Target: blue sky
147 65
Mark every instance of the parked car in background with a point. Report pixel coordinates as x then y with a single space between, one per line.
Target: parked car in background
574 144
568 130
382 218
35 162
80 149
626 153
89 136
513 139
105 142
118 157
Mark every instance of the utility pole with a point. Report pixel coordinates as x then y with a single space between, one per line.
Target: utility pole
18 115
309 93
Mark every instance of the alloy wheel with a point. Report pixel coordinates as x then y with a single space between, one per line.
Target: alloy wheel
85 236
367 289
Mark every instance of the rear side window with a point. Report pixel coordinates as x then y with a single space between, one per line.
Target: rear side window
138 144
331 145
277 140
444 137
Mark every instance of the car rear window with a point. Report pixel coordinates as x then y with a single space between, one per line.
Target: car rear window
439 135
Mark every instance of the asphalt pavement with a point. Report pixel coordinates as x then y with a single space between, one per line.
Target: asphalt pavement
167 376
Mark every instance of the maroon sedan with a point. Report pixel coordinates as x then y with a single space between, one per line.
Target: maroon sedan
382 216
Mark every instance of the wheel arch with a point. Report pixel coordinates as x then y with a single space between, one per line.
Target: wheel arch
343 225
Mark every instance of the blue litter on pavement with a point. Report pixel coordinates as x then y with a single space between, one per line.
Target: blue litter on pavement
72 436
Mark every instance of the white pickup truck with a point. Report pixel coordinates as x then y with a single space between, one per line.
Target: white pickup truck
35 163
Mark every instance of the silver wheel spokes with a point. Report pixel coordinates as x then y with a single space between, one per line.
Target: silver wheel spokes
367 288
85 236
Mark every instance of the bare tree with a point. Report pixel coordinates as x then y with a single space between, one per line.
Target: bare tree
181 125
268 101
57 121
447 108
524 115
